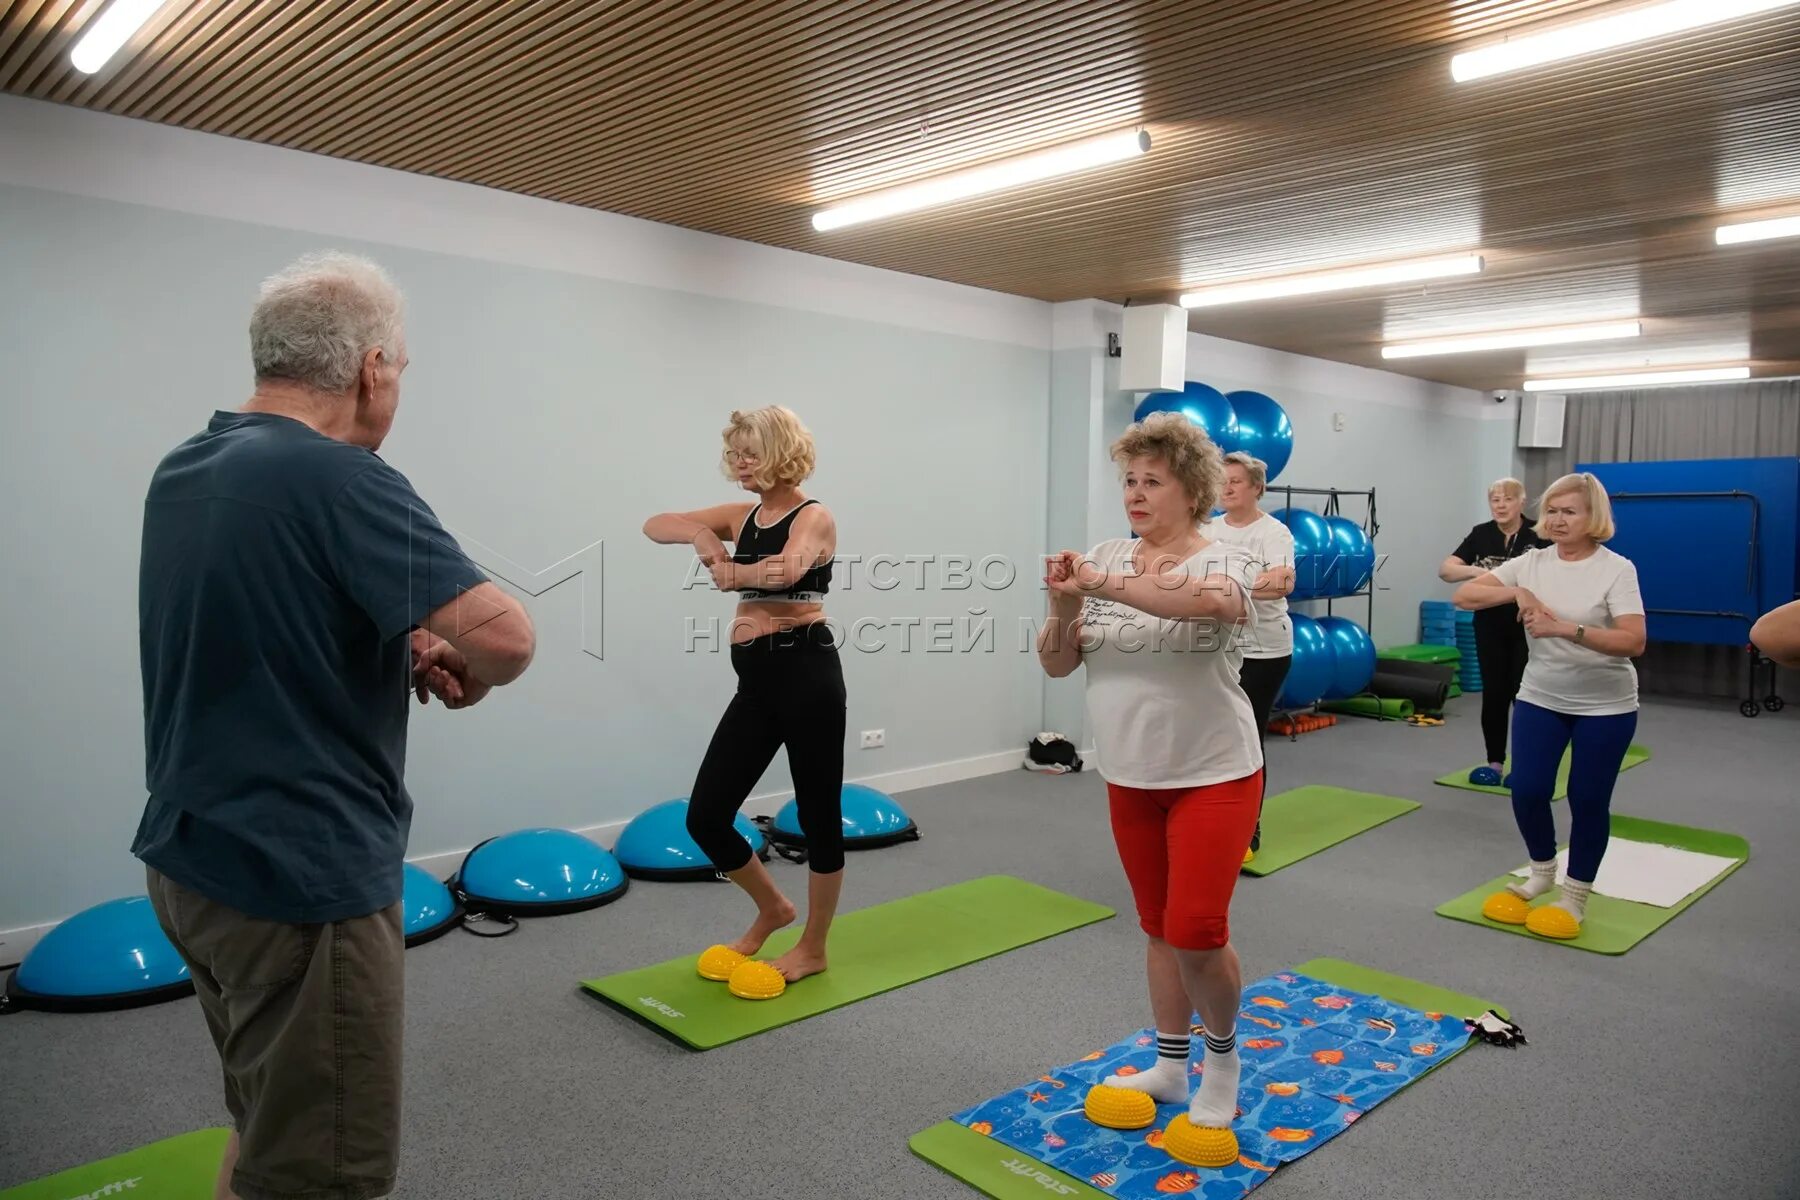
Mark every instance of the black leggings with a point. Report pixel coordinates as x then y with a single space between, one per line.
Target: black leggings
1501 650
790 692
1261 679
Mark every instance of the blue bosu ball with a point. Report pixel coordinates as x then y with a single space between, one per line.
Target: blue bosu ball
871 819
539 872
657 845
428 909
113 955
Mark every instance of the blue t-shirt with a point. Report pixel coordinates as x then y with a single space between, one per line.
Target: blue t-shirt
281 573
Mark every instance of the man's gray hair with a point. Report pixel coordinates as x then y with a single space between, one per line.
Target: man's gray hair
320 316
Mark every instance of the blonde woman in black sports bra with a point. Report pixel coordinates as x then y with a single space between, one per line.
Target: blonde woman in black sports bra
790 688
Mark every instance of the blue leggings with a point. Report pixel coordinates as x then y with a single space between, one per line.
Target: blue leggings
1539 739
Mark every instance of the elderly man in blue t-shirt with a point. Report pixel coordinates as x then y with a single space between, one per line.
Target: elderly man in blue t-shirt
294 593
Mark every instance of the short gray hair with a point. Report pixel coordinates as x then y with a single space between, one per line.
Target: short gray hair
317 319
1255 469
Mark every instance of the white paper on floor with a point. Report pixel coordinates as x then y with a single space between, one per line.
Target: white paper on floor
1648 873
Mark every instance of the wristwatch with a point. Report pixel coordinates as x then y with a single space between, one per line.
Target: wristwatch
1580 634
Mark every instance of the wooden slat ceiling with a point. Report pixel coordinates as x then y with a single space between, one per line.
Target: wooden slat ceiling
1288 133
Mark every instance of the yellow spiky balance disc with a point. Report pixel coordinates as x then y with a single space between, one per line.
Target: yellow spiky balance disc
1505 908
1199 1145
1553 921
1119 1108
755 980
718 962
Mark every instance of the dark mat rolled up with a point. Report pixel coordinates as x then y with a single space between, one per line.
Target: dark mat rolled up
1427 695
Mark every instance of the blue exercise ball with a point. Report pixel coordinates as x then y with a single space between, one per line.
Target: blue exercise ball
1312 550
1205 406
871 819
113 955
1353 657
1352 557
657 845
1263 429
539 872
428 909
1313 668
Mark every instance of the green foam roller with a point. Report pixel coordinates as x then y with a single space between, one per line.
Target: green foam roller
1371 706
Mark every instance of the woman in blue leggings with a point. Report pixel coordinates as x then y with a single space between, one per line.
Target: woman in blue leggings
1580 605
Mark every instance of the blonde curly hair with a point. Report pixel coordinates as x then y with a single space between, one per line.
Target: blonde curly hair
774 440
1184 447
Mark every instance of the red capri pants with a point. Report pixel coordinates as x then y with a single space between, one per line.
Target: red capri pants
1182 849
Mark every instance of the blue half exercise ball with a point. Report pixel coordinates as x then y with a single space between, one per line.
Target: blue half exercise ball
1313 668
1263 429
1351 558
539 872
427 907
871 819
1353 657
113 955
1205 406
657 845
1312 550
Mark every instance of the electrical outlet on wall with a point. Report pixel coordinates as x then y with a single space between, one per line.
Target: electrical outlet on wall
874 739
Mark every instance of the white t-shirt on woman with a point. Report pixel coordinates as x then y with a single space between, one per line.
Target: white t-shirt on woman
1271 545
1565 676
1163 696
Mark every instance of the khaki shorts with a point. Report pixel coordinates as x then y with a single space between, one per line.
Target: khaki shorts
307 1021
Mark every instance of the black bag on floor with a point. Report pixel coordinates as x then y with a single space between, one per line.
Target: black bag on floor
1051 753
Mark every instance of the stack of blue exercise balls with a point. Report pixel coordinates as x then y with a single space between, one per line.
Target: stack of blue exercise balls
1334 659
1244 420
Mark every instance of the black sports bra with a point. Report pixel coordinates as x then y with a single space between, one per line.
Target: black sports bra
755 543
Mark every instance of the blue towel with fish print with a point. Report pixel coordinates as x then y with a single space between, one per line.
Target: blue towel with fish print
1315 1058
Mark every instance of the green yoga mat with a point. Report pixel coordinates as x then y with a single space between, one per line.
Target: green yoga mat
177 1168
997 1170
1615 926
873 950
1634 754
1370 706
1301 822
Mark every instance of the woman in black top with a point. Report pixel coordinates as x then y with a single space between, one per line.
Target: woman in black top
790 688
1500 643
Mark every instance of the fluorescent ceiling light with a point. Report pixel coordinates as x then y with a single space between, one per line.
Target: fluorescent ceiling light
1602 33
1340 280
976 181
1588 383
1512 339
116 25
1757 231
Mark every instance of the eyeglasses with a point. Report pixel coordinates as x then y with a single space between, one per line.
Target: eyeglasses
740 456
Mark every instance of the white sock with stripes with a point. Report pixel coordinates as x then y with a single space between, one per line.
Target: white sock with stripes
1574 897
1215 1104
1541 880
1167 1081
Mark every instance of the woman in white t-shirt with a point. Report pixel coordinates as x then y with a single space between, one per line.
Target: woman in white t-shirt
1579 602
1155 621
1268 648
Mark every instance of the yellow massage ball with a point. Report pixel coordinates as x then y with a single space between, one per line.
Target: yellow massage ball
1200 1145
1553 922
755 980
1119 1108
719 962
1505 908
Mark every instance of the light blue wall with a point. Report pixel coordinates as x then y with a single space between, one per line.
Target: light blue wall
543 412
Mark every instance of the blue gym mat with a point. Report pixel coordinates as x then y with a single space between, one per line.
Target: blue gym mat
1316 1057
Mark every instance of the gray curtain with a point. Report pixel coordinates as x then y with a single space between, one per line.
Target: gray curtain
1748 420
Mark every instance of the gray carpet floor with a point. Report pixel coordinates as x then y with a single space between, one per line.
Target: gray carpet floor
1668 1072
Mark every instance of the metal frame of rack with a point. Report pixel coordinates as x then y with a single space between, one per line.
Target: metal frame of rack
1371 526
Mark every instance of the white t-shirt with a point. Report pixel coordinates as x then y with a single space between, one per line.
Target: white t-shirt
1271 544
1163 696
1564 676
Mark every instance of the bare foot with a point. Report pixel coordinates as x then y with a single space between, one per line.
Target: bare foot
799 962
766 922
